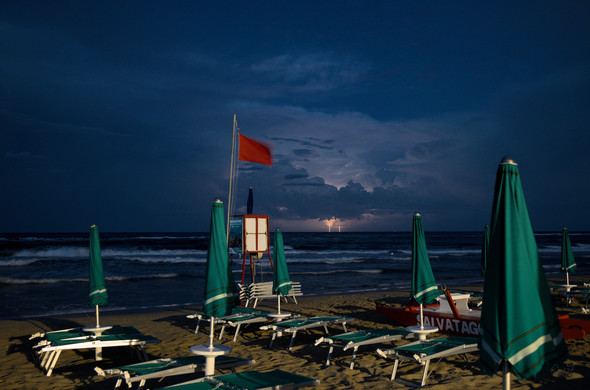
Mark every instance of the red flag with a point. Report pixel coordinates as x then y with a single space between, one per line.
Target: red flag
254 151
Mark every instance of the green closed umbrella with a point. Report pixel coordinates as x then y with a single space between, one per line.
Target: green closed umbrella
98 292
220 291
568 263
485 248
424 288
519 326
281 284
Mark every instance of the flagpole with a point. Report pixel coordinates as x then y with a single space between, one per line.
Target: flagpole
231 174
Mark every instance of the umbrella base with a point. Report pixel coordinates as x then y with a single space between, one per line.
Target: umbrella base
210 352
422 332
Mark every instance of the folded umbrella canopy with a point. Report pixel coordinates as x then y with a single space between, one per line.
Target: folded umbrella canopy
98 291
568 263
519 325
281 283
424 288
220 289
485 248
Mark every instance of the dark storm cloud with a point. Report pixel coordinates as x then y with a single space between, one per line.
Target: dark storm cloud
121 113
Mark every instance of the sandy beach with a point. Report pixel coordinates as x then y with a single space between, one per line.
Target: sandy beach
75 370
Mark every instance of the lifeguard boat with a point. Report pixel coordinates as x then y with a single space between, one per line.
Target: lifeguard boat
454 316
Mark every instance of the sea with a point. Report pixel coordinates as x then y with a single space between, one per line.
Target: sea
46 274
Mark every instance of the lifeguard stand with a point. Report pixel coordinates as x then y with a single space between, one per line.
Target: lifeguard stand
248 235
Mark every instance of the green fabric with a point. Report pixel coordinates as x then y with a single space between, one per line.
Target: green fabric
424 289
568 263
485 249
281 284
80 334
152 366
98 291
310 320
112 337
431 347
195 386
518 320
220 289
65 334
248 380
257 380
363 335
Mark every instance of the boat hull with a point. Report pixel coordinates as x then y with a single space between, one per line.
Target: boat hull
468 325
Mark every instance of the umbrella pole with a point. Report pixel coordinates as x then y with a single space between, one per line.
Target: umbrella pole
97 321
211 325
567 278
421 318
506 380
279 303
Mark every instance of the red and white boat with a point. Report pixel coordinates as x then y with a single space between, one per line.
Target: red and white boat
454 316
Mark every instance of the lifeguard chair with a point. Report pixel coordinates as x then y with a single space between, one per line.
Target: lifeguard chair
248 236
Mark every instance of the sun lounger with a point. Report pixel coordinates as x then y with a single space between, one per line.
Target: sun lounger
295 325
161 368
241 316
258 291
50 349
423 351
583 293
249 380
362 337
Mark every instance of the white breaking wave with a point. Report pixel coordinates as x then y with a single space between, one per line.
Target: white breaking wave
77 252
4 280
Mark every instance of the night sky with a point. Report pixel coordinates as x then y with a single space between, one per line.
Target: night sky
120 113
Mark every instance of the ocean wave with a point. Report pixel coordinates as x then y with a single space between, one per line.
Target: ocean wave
65 252
335 252
19 281
8 281
165 260
17 263
59 252
338 271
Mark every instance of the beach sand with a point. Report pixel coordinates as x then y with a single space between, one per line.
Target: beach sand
75 369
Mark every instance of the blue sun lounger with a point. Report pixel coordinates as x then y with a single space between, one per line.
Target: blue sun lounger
304 323
423 351
249 380
353 340
167 367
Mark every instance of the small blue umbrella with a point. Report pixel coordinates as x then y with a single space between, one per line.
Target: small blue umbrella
250 203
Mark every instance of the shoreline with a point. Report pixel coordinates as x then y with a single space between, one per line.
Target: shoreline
75 369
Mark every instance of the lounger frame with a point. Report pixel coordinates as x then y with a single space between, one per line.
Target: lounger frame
336 342
425 359
125 373
305 323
